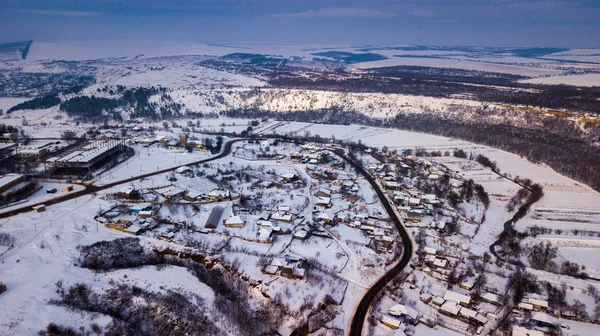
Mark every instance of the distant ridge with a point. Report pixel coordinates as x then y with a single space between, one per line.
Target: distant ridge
21 48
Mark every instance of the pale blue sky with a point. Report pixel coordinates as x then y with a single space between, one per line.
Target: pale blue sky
559 23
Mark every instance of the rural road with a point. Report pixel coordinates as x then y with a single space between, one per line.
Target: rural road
360 313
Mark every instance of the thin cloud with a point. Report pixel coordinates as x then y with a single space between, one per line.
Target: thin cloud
337 12
56 12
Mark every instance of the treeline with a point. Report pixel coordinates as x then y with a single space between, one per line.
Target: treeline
554 97
94 109
563 148
446 74
91 109
36 103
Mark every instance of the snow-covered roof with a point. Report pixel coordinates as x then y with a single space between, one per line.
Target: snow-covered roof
542 317
456 297
525 306
234 220
522 331
401 310
127 190
288 176
482 319
281 217
438 300
265 233
323 216
538 302
132 229
390 321
301 233
414 201
470 313
323 200
264 223
491 297
278 262
429 250
450 307
440 262
182 169
194 194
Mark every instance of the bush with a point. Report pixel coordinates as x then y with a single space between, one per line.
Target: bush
6 239
161 314
119 253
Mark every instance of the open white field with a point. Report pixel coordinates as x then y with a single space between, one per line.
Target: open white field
577 80
459 64
100 49
6 103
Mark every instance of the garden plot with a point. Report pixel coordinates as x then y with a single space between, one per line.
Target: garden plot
585 256
325 251
148 160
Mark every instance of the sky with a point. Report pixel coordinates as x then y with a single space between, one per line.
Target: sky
508 23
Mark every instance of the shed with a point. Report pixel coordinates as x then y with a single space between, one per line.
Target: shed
39 208
390 322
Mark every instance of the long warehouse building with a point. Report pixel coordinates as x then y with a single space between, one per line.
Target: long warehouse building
88 156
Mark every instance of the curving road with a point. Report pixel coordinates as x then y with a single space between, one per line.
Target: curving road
91 189
360 313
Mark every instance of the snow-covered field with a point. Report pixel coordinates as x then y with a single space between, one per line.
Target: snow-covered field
577 80
459 64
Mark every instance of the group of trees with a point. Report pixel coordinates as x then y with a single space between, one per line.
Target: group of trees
169 313
36 103
90 109
541 256
230 291
94 109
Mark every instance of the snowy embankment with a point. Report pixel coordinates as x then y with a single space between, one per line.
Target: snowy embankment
577 80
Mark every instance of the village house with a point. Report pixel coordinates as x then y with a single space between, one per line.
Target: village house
289 177
522 331
234 222
390 322
219 195
265 235
400 310
291 267
492 298
415 216
282 217
323 192
300 234
461 299
450 308
323 202
539 304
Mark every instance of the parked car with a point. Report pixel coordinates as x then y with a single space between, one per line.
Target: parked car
51 191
